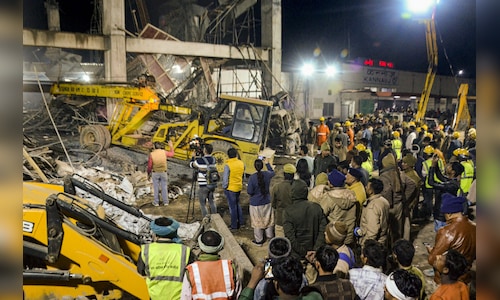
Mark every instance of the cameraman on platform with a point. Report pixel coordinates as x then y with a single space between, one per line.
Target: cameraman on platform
201 163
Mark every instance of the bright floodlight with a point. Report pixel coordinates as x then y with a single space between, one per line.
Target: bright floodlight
420 6
461 72
86 78
307 69
331 70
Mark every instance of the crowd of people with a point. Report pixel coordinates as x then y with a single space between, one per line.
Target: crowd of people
337 225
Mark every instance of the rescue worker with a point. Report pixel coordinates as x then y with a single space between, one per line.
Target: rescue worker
339 150
468 174
157 170
164 261
364 146
427 190
454 144
210 277
322 132
397 144
350 134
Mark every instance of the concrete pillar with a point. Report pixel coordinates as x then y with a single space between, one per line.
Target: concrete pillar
53 19
271 38
113 18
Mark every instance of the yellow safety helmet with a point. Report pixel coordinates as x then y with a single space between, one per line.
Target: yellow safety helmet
322 119
455 135
418 129
360 147
337 124
461 151
429 135
424 127
347 123
428 150
395 134
471 131
441 126
411 123
472 135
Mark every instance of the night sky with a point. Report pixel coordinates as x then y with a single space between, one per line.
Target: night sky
367 28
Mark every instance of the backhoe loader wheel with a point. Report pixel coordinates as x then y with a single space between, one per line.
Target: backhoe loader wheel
92 138
107 136
220 154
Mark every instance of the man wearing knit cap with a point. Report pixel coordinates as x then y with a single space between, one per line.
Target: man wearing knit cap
408 166
338 203
398 188
305 233
323 160
210 277
459 233
164 260
281 198
335 235
374 216
331 286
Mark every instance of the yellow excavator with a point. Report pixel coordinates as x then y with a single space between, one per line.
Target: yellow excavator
72 249
234 122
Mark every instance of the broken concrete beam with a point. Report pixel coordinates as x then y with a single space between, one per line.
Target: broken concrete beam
232 250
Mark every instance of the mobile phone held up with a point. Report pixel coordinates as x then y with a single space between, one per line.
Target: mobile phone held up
268 269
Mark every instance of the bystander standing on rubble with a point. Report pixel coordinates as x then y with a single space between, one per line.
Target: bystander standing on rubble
157 171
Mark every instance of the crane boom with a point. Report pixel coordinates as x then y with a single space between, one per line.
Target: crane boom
432 57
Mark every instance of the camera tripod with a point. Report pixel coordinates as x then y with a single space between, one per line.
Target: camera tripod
194 183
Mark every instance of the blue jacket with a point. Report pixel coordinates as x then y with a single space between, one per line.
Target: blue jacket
253 189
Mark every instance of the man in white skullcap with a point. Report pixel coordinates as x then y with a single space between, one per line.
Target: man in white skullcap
211 277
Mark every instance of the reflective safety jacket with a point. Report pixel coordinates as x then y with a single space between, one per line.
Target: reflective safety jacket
426 165
322 134
165 264
467 176
212 279
397 144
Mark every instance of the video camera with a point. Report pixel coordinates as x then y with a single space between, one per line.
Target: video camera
197 144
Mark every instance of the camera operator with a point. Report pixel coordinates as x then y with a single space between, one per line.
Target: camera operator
201 163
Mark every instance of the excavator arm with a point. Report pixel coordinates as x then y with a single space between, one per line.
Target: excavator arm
70 251
462 118
432 57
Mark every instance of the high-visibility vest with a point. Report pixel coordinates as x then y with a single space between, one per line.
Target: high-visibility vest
397 144
322 134
212 279
165 264
159 158
426 165
467 176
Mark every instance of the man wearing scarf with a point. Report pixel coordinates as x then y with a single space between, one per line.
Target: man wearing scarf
164 260
210 277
